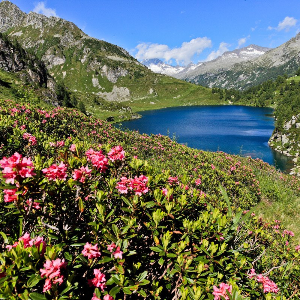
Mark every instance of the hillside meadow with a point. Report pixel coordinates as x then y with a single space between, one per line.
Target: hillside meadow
92 212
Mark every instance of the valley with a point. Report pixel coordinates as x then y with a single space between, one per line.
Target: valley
92 211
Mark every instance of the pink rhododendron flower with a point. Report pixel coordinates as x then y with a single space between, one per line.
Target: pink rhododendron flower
25 239
38 241
165 193
81 174
28 242
221 291
33 204
56 172
30 138
252 273
51 271
16 165
297 248
97 159
173 180
122 186
99 280
139 185
72 148
118 253
198 181
10 195
268 285
90 251
95 297
108 297
116 153
60 143
111 247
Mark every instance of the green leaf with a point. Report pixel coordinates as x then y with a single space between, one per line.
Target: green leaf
142 276
80 205
77 245
68 256
156 249
4 237
114 291
142 293
37 296
127 291
171 255
225 196
126 201
144 282
66 290
115 230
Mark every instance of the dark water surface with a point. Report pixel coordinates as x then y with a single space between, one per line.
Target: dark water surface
238 130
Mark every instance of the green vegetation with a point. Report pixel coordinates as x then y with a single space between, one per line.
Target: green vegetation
93 211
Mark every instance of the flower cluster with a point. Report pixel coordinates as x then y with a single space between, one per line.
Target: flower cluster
137 184
117 253
106 297
10 195
51 271
173 180
16 165
81 174
99 280
30 138
268 285
90 251
28 242
56 172
222 291
98 159
116 153
58 144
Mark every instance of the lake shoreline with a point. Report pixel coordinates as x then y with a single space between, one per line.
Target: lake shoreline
268 113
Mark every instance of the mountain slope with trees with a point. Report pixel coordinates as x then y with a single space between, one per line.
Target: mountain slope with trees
284 59
94 70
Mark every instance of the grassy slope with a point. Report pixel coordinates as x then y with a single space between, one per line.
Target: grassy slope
278 202
277 194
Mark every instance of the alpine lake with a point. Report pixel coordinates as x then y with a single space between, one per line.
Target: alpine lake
233 129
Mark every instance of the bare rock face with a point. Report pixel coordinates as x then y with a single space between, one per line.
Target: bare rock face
10 16
67 51
113 74
117 94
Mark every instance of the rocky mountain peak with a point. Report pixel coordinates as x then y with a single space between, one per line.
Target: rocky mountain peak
10 15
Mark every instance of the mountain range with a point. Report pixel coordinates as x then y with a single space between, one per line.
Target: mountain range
238 69
98 70
91 68
223 62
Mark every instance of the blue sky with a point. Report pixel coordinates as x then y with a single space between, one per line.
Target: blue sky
178 31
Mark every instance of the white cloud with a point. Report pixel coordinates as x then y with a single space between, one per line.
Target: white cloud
286 24
40 8
214 54
182 55
242 41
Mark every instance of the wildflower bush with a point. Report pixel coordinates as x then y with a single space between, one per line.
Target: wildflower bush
88 211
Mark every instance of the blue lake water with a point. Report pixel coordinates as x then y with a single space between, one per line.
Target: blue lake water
238 130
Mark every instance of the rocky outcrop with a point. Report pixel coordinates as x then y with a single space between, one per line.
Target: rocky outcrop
61 45
117 94
15 59
286 141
